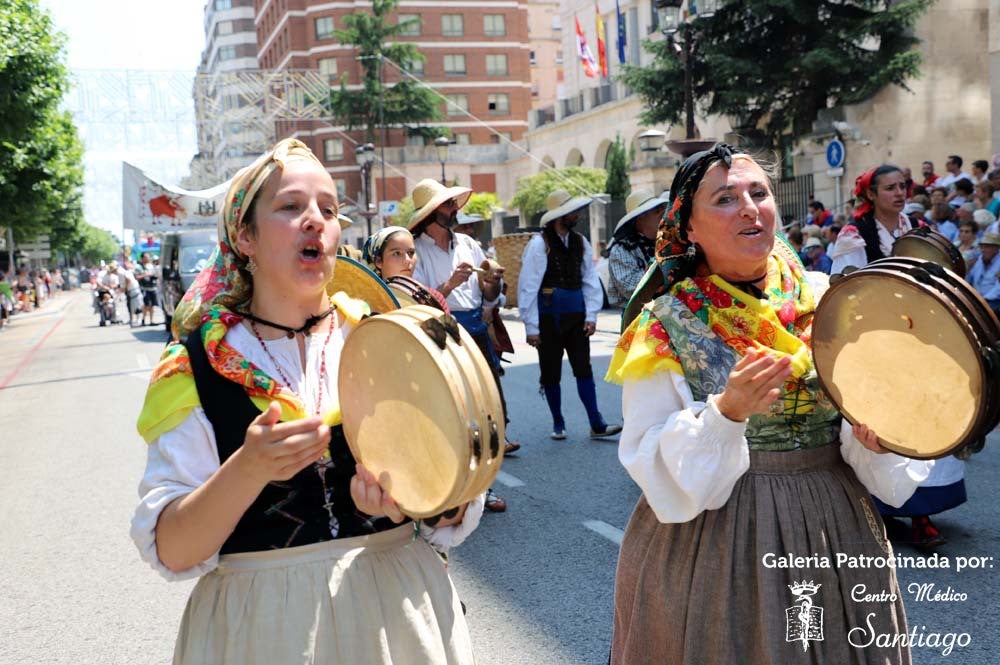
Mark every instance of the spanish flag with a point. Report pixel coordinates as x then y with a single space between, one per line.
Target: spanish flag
602 48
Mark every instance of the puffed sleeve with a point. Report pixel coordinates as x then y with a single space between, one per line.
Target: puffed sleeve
684 454
533 264
178 462
445 537
890 477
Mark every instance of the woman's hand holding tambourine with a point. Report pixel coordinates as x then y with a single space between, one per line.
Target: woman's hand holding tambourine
868 438
754 384
370 498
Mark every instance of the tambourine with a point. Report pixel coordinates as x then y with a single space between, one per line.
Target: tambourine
929 245
909 349
420 409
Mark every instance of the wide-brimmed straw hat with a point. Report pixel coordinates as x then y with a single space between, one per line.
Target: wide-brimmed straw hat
357 281
344 220
990 239
559 204
637 204
812 242
429 194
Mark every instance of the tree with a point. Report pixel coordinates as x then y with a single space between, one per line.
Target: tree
96 244
41 171
773 64
577 180
482 204
400 104
617 185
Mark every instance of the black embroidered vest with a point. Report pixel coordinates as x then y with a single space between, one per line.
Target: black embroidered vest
565 264
286 513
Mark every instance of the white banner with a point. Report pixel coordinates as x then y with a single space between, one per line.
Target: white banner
149 206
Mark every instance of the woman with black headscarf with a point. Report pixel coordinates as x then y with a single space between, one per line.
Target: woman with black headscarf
755 495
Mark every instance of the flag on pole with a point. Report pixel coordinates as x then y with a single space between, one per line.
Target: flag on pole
586 57
622 34
602 47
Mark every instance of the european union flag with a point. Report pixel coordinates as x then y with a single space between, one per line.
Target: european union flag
622 35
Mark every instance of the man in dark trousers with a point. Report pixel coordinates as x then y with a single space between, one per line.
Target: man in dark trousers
559 296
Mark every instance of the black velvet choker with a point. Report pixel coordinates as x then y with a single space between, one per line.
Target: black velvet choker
290 332
750 287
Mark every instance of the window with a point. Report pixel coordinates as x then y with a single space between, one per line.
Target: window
223 4
227 53
457 104
452 25
333 150
454 65
324 27
341 186
328 68
559 57
499 103
531 59
534 89
494 25
496 65
411 30
461 139
556 22
501 136
416 140
417 68
224 28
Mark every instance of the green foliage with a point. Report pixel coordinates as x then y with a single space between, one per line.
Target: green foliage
617 185
96 244
403 103
482 204
773 64
41 156
405 211
577 180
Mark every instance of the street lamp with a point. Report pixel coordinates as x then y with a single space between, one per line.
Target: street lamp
441 143
651 140
365 155
673 22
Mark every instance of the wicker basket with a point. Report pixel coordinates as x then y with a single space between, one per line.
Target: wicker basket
509 248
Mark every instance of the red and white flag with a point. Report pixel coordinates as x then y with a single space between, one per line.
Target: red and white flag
586 57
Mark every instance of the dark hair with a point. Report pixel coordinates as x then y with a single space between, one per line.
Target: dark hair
982 165
942 211
885 169
834 229
968 224
795 236
963 185
956 159
817 205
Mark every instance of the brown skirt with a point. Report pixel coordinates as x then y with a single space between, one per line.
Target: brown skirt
726 588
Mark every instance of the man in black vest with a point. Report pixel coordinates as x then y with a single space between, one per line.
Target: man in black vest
559 296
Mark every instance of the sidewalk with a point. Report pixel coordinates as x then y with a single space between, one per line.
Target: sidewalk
51 306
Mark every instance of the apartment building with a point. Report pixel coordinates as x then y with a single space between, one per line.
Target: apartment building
229 135
477 62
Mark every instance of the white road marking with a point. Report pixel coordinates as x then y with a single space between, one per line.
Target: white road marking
142 360
508 480
613 534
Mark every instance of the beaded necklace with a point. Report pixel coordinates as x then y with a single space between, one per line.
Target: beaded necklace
326 463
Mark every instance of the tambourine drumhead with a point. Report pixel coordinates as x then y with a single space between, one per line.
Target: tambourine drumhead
409 412
931 246
876 333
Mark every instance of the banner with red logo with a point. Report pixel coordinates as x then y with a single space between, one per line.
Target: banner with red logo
151 206
586 57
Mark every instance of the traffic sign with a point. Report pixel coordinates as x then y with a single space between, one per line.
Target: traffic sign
835 153
388 208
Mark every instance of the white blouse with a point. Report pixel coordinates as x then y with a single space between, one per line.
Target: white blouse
181 460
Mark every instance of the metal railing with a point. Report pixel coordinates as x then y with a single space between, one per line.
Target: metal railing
793 195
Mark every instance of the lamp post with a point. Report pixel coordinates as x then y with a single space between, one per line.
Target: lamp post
441 143
365 155
673 23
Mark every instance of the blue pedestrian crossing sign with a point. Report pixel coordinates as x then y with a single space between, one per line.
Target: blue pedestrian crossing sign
835 153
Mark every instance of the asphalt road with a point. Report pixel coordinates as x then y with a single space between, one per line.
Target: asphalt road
537 580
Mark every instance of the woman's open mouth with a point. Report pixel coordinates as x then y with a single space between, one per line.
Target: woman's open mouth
754 232
311 251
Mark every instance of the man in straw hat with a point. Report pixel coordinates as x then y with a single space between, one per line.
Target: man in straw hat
633 243
449 261
983 275
559 296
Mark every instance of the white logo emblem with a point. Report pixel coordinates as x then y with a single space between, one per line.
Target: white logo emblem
803 621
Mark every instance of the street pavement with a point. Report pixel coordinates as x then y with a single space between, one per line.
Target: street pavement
537 580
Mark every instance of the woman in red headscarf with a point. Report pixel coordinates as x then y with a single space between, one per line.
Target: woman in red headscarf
878 219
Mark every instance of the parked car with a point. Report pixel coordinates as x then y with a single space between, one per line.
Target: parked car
182 256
